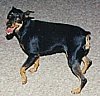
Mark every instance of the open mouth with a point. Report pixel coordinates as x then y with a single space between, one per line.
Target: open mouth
14 28
10 30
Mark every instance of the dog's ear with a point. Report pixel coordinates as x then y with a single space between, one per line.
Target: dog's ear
27 13
13 7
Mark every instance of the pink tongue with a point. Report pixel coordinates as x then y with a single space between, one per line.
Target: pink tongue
9 30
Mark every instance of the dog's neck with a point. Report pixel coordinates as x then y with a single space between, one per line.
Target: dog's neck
23 30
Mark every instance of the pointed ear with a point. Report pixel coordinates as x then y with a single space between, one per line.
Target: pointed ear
13 7
27 13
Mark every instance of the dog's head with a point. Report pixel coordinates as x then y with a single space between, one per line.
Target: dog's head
15 20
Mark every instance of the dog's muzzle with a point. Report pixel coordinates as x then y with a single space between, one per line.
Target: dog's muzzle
11 28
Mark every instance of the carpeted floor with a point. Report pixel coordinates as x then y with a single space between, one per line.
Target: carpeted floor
54 77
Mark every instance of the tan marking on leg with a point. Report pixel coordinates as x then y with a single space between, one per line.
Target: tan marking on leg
87 63
35 66
76 90
23 75
82 80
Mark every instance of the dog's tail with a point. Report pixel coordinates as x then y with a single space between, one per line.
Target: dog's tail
88 33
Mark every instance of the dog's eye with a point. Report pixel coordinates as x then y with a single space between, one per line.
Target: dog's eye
17 16
10 16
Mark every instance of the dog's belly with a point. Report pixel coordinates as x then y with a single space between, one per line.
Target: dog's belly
52 50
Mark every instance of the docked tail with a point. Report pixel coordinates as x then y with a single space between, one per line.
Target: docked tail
88 33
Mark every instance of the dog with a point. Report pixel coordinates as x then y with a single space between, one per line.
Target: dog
40 38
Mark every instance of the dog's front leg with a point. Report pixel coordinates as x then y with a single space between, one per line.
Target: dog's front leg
29 62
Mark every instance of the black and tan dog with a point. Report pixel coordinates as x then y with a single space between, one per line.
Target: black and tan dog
39 38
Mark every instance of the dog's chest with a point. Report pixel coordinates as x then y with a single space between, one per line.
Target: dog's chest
24 48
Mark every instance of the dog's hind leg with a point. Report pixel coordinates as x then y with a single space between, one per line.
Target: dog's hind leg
74 62
76 70
29 62
87 63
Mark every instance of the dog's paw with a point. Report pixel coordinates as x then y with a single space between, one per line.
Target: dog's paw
24 81
32 70
76 91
